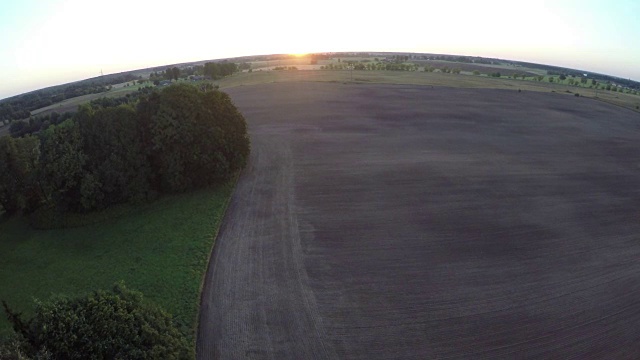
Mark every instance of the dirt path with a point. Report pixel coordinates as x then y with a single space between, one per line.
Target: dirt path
258 303
379 222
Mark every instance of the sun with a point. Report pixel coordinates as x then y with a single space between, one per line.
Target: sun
299 55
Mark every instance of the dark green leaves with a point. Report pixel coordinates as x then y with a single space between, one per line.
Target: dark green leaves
174 140
116 324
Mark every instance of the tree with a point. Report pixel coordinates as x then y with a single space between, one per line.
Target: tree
218 70
18 128
18 164
194 138
110 153
175 73
116 324
61 166
563 77
116 169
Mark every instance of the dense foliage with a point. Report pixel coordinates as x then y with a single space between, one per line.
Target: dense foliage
42 122
19 163
117 324
193 137
35 124
173 140
217 70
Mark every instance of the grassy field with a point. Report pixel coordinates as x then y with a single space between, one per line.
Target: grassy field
160 249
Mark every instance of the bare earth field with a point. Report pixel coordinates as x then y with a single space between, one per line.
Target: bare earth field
418 222
425 78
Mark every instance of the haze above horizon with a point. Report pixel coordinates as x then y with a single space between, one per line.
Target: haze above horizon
50 42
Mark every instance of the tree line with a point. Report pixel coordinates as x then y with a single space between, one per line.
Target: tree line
169 141
213 70
42 122
20 106
216 70
38 123
371 66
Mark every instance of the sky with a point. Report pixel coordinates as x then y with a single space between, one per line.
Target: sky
50 42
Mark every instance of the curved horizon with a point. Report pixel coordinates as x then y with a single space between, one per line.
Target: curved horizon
59 41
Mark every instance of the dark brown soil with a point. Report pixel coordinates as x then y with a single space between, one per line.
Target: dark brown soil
406 222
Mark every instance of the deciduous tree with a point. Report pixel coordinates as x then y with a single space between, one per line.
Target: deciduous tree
116 324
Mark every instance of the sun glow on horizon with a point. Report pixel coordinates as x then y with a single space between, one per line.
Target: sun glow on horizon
41 53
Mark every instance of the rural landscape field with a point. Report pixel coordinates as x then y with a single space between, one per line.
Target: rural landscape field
217 180
401 221
391 206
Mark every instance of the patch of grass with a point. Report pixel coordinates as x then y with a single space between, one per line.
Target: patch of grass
160 249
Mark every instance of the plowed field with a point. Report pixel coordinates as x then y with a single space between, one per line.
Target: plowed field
408 222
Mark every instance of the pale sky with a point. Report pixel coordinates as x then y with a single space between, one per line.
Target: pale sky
49 42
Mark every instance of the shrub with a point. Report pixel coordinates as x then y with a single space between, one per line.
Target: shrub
103 325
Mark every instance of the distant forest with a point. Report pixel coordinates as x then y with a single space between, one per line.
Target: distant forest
560 71
550 69
20 106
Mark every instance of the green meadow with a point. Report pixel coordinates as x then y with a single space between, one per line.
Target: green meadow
159 248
